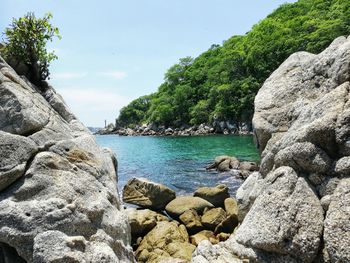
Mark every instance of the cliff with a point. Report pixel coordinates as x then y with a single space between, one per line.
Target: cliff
58 189
298 205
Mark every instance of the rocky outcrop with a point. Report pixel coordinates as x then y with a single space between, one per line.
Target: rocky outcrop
58 195
296 209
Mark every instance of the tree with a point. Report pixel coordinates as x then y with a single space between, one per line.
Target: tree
25 41
223 81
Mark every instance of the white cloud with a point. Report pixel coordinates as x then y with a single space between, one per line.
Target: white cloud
68 75
114 74
93 99
93 106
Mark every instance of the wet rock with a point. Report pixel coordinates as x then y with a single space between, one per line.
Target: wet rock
214 195
248 166
224 163
147 194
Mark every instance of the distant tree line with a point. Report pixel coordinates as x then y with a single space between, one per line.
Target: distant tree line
222 82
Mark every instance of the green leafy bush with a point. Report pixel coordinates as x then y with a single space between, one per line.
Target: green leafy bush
25 41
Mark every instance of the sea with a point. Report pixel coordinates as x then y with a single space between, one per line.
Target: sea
178 162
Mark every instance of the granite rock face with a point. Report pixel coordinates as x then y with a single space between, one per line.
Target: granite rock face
58 195
296 209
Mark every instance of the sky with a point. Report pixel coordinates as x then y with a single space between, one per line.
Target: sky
114 51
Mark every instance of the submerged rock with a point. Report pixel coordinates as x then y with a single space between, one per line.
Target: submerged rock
147 194
58 195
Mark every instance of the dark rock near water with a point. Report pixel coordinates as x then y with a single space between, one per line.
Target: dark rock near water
240 169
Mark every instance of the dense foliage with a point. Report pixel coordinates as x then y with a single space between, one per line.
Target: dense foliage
25 41
222 82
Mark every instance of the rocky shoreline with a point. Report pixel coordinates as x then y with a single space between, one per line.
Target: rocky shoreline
59 201
218 127
167 228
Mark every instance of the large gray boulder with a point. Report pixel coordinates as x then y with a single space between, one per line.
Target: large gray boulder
296 209
58 195
287 218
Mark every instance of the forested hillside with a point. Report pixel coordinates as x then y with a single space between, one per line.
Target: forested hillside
222 82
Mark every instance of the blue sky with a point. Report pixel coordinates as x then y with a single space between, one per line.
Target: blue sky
114 51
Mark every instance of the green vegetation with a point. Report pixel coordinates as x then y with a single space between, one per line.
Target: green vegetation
222 82
25 41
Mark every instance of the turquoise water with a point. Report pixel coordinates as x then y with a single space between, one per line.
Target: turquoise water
178 162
